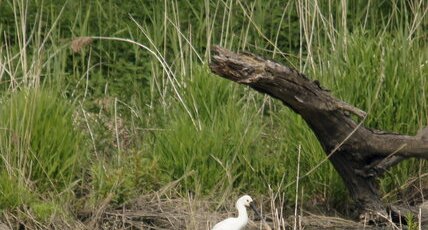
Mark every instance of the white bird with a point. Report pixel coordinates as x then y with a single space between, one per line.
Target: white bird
238 223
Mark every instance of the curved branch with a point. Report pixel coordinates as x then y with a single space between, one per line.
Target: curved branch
359 154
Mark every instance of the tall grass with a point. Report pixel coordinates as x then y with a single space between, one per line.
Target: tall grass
40 141
157 115
42 153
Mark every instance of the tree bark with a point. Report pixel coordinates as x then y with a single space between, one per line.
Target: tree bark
359 154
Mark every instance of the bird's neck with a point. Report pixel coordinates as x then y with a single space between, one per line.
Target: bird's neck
242 215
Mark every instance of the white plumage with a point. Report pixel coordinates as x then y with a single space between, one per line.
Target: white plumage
237 223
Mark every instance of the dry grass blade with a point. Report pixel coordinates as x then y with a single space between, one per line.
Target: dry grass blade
77 44
149 212
100 210
312 221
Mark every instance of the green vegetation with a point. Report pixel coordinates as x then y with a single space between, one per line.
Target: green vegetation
121 118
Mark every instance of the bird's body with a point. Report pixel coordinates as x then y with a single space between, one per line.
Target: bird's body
237 223
233 223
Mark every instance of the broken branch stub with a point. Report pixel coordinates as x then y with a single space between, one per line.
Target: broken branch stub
359 154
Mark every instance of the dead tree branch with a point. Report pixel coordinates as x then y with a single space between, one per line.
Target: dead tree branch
360 154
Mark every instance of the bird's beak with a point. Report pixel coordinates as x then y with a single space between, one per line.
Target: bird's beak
253 206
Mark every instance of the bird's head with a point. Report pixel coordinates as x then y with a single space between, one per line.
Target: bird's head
247 201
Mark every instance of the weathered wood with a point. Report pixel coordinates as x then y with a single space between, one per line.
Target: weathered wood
359 154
